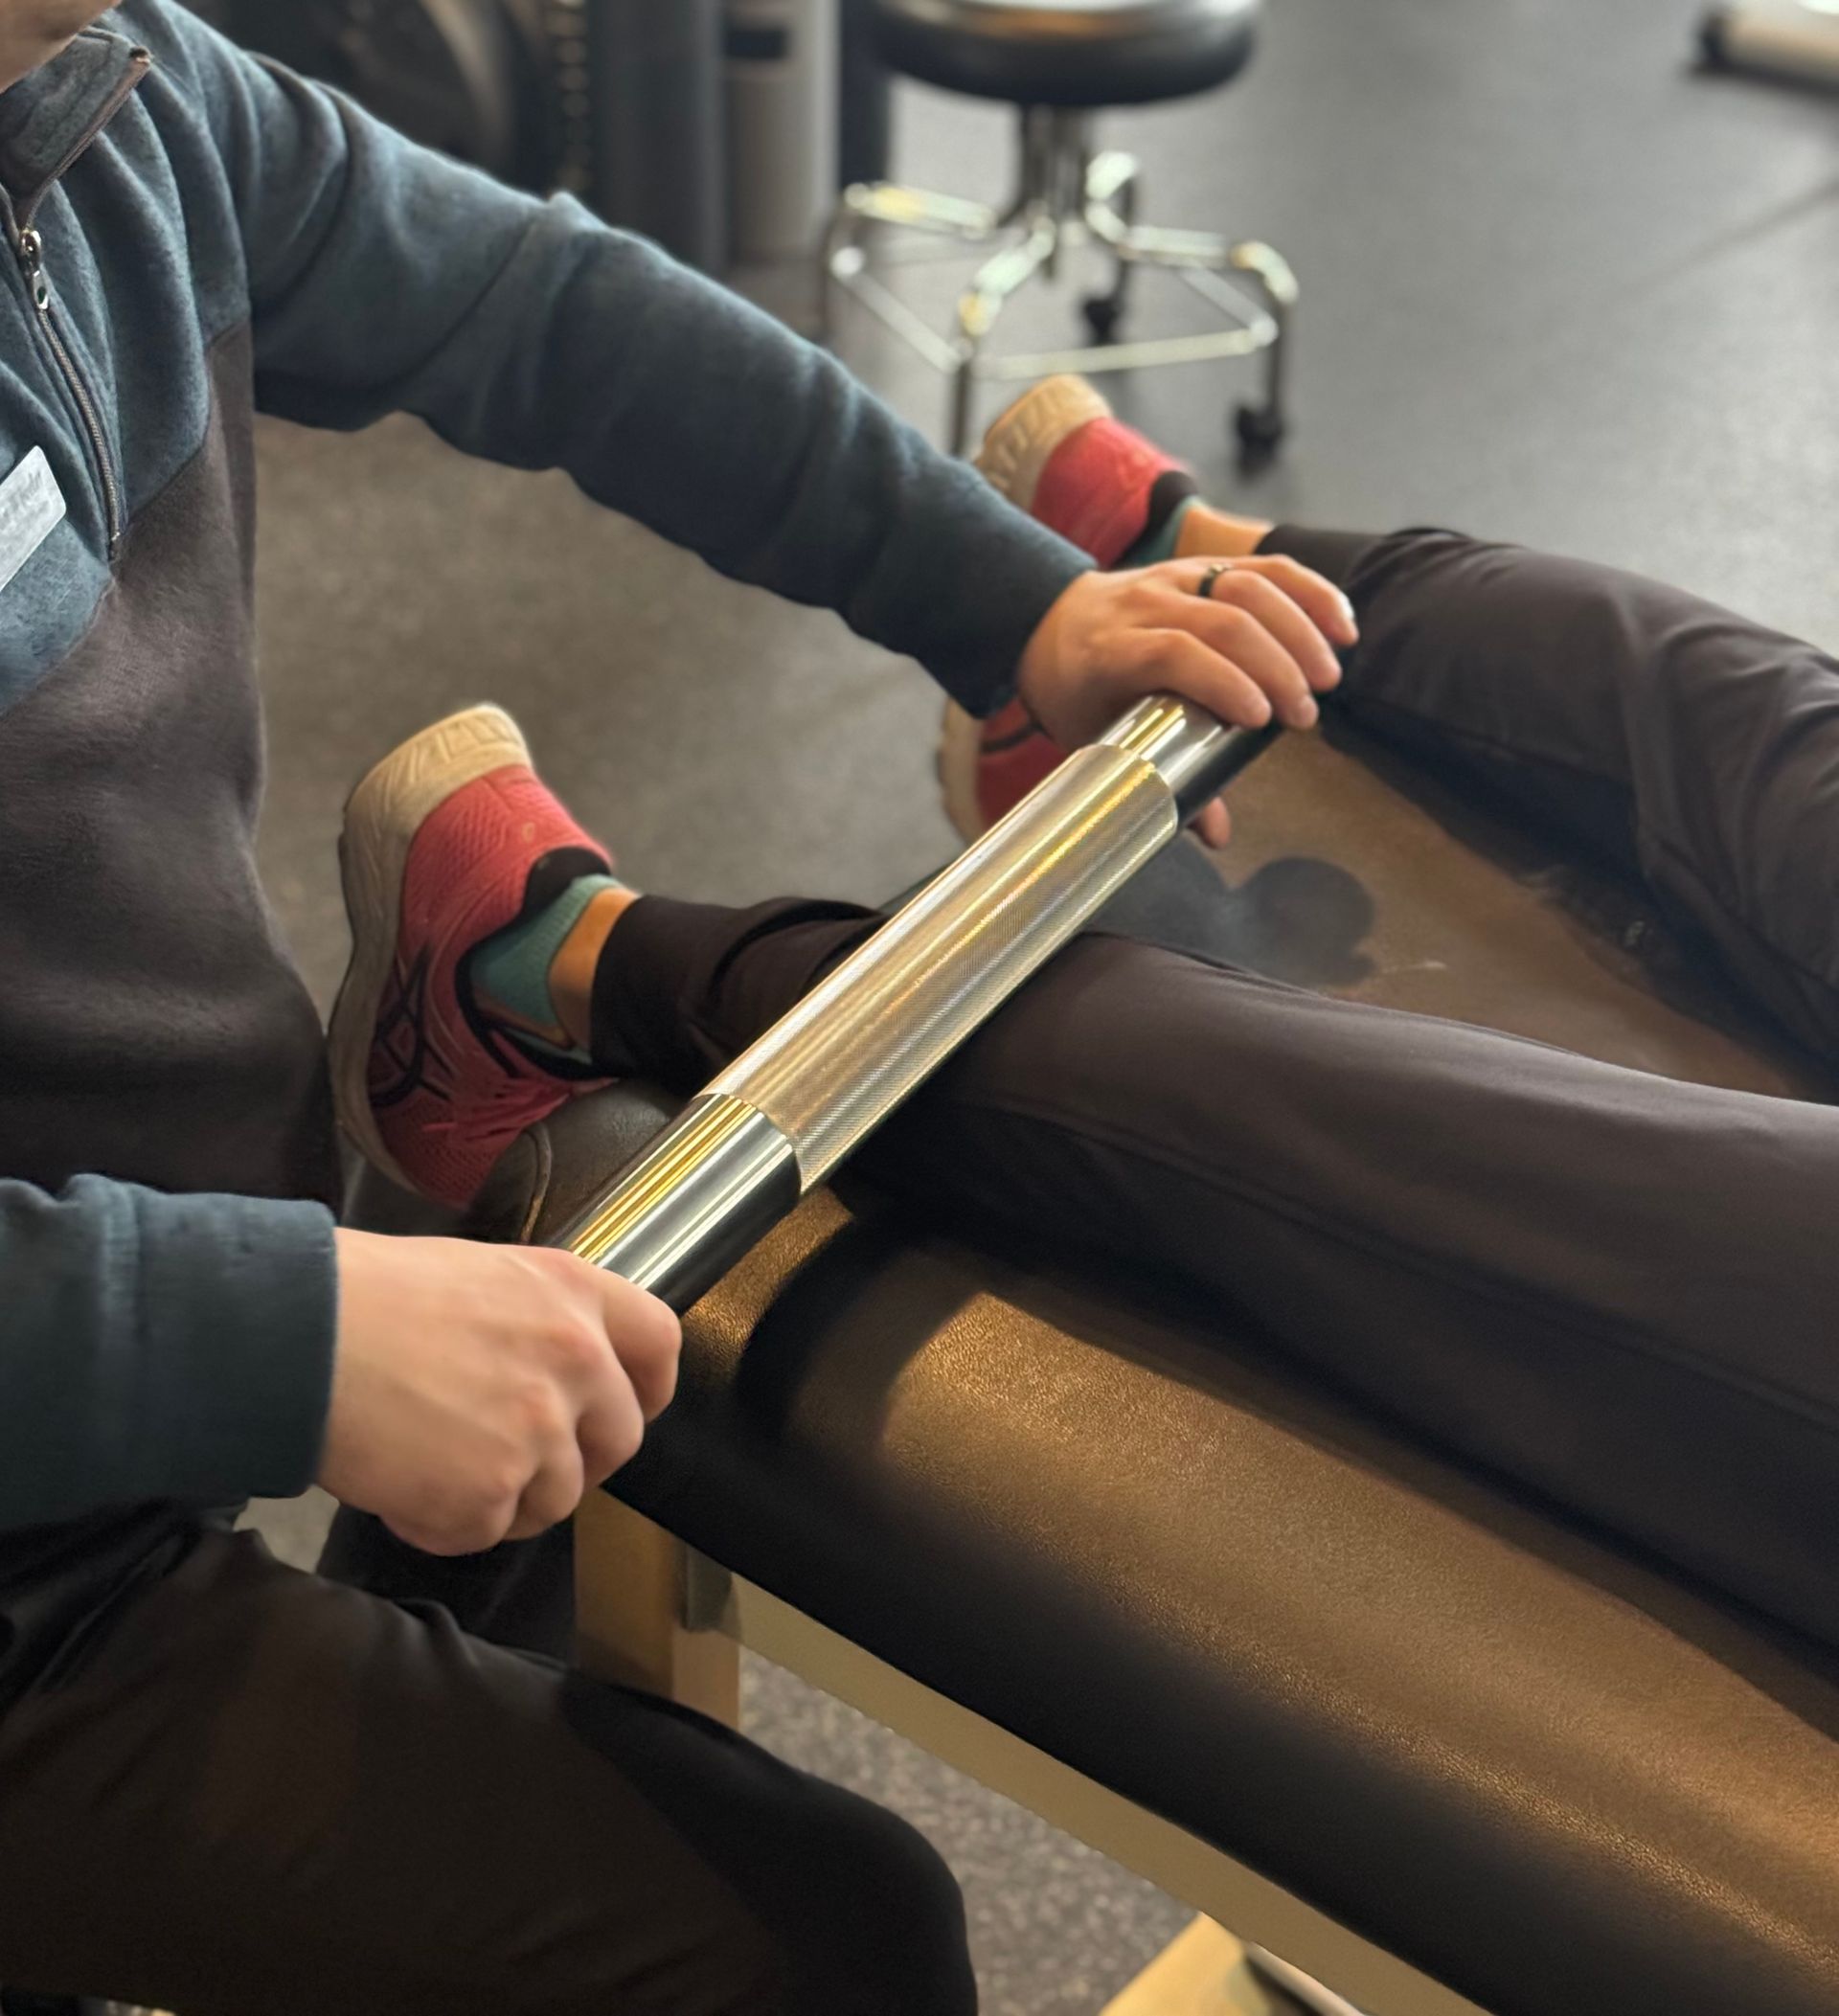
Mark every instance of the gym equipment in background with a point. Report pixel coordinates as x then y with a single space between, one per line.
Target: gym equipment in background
866 125
783 97
480 79
1798 39
617 101
787 1111
654 141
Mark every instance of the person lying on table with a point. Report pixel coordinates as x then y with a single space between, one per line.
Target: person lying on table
1612 1285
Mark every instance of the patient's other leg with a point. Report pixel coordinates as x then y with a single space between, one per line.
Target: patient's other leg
1684 743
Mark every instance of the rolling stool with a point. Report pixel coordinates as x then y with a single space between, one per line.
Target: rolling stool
1060 61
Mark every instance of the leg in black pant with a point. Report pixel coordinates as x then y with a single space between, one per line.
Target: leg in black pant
1694 749
255 1793
1613 1286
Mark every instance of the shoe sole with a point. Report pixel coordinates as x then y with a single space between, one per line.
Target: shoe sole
382 816
1017 448
961 748
1022 438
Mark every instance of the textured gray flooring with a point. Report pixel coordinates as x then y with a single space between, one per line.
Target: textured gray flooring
1556 289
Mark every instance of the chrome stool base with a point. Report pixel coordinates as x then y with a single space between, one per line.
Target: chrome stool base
1071 197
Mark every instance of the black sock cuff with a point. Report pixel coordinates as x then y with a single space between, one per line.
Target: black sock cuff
665 1002
1334 555
1170 491
635 1013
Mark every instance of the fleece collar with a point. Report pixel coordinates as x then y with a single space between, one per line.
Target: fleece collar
49 118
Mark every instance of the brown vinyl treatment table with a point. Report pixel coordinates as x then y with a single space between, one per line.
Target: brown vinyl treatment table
1441 1744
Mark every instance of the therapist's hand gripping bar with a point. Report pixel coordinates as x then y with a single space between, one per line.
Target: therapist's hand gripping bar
801 1099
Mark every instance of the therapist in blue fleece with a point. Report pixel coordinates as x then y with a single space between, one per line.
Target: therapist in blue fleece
227 1788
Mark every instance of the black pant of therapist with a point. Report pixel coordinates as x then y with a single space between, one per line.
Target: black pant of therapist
259 1793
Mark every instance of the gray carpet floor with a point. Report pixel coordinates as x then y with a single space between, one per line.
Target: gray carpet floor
1556 288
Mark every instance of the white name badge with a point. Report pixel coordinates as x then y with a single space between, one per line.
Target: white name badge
31 507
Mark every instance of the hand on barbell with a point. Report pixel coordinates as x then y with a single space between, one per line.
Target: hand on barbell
1260 645
480 1392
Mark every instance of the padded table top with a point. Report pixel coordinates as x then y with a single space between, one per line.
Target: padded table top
1550 1774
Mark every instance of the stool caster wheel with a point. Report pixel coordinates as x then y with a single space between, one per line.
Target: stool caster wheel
1104 316
1259 430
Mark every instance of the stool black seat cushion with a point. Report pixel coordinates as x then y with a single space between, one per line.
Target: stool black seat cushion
1067 53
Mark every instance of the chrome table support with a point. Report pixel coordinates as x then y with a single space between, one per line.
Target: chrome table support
790 1108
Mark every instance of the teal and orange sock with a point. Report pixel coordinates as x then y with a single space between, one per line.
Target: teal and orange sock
533 975
1162 536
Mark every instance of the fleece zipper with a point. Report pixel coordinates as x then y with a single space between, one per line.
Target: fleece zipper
29 249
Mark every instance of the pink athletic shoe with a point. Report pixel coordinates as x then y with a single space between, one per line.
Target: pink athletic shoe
984 767
1059 454
446 842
